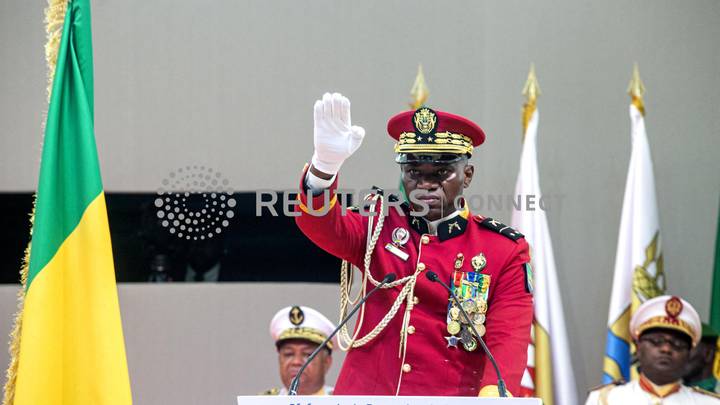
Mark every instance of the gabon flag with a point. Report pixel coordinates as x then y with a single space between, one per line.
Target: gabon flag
69 346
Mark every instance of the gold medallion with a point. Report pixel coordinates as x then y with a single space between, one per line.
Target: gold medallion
481 306
479 262
454 313
468 306
453 327
470 345
478 319
481 330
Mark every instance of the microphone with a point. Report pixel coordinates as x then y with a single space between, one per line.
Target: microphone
432 276
296 381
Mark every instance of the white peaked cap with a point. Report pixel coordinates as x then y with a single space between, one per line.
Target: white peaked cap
667 312
300 322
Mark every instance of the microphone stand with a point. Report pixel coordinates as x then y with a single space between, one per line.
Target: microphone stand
432 276
296 381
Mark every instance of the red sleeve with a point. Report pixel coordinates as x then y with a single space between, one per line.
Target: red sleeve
336 230
508 323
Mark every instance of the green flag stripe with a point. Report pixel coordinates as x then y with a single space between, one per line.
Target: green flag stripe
69 170
715 295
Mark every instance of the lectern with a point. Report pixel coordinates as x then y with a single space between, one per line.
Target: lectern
380 400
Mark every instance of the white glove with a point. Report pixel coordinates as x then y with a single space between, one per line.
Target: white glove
335 138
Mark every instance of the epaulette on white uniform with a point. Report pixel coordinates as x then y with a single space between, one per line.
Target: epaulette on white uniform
599 394
706 392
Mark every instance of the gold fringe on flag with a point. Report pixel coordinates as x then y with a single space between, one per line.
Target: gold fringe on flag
54 17
531 91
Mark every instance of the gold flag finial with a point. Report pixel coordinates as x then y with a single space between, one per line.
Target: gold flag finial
636 89
531 91
419 91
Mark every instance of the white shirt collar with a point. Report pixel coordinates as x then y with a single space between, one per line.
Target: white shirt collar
432 225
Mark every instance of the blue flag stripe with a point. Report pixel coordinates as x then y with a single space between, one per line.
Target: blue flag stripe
617 350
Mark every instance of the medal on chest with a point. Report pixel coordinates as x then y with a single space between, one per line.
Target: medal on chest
471 288
400 236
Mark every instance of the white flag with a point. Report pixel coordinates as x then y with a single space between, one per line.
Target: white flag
639 271
553 377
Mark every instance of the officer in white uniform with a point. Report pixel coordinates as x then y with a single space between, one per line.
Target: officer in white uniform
297 332
664 329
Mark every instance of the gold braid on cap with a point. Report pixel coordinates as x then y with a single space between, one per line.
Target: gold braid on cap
439 142
304 333
666 322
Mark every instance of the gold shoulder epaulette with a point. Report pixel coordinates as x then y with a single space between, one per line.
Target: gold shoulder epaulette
705 392
271 391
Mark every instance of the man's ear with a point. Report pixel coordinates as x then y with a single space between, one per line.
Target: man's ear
469 170
709 354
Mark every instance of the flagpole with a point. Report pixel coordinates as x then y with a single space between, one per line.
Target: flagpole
636 90
531 91
638 273
419 92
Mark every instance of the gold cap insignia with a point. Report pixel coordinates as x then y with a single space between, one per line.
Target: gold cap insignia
425 120
673 307
296 315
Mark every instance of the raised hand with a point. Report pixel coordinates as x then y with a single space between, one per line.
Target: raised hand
335 136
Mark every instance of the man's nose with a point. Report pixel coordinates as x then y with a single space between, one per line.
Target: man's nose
298 359
427 183
666 347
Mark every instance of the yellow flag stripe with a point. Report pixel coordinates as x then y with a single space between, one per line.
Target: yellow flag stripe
611 368
72 348
621 326
543 366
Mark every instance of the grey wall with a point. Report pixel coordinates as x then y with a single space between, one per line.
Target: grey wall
192 344
230 84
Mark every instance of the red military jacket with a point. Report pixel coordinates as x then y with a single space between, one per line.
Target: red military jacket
431 367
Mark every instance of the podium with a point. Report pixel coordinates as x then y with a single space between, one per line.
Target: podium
379 400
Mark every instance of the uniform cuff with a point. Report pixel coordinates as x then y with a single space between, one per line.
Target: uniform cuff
316 184
318 204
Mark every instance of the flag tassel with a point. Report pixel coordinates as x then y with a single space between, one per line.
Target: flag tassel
54 17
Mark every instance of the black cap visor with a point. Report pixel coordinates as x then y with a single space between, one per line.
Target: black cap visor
432 158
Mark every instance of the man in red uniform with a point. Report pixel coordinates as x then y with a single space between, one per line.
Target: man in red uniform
412 339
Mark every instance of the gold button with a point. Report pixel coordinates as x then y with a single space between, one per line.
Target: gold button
421 266
425 239
411 330
406 368
416 300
